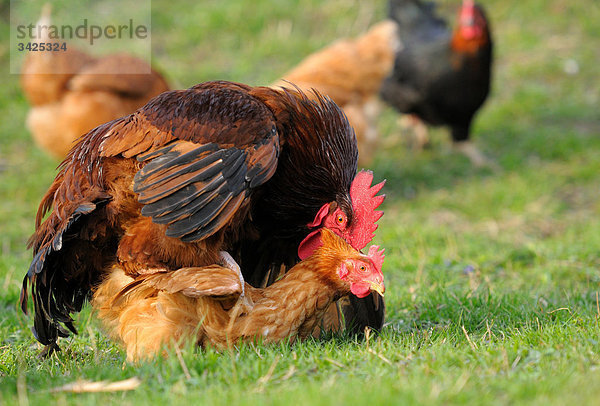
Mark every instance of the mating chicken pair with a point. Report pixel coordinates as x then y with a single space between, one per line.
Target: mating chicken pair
155 197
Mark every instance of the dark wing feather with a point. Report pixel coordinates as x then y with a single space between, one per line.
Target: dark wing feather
423 57
217 142
196 189
417 21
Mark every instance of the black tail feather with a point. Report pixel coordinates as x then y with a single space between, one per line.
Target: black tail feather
365 312
54 298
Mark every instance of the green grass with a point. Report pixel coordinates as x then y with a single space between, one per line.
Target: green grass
492 275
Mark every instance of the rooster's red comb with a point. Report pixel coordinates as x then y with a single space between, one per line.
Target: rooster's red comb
376 256
364 203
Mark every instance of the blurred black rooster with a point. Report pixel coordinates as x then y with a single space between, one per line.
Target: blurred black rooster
441 76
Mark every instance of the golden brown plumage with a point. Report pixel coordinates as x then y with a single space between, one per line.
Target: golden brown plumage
218 167
213 306
71 92
351 71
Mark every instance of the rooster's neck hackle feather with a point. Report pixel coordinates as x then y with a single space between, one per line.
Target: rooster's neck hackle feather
316 132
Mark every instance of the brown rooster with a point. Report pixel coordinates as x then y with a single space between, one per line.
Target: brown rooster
214 306
218 167
351 71
71 92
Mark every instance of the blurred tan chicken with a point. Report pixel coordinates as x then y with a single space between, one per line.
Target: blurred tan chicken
350 72
71 92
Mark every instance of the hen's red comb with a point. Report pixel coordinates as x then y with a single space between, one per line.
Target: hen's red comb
376 256
364 203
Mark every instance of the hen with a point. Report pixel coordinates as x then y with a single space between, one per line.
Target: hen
351 71
213 306
71 92
219 167
442 77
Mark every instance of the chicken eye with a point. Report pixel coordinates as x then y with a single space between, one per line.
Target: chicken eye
362 268
340 219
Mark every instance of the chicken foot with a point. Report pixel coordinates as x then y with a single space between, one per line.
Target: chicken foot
477 158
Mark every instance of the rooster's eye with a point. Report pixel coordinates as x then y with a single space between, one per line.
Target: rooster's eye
340 219
363 268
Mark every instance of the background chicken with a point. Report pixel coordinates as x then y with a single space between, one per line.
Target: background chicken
214 306
71 92
218 167
439 75
351 71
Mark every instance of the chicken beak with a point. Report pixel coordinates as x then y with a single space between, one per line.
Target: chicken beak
378 287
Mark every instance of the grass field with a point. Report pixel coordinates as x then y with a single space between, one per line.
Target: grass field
492 276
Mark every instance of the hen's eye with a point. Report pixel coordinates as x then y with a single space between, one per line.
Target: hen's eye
363 268
340 219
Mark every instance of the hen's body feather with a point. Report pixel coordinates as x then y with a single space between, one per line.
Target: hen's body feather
214 307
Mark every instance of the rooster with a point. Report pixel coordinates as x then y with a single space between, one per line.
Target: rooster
351 72
219 167
213 306
71 92
442 77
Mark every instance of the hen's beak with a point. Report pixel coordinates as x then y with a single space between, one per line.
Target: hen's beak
378 287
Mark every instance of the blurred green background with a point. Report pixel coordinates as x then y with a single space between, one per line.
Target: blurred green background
492 275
